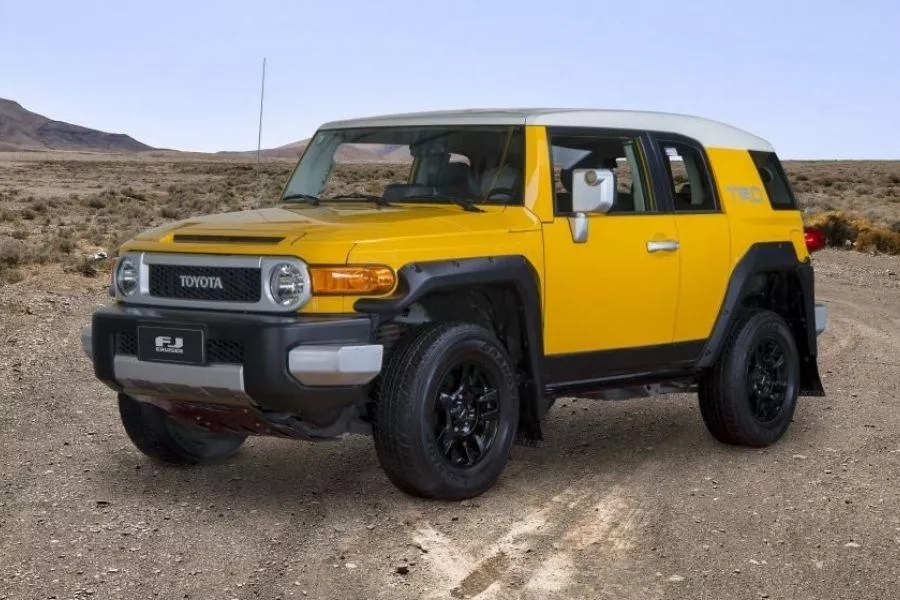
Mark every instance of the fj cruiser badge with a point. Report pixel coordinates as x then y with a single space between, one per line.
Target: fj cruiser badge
168 344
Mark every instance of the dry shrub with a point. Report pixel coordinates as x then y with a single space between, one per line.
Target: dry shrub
878 240
843 229
65 244
13 254
86 265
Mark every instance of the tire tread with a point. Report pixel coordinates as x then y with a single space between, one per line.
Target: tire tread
719 393
406 464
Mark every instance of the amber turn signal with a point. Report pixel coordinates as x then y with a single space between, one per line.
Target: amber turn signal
351 281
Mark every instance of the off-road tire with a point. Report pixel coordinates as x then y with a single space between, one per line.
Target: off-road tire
403 431
161 437
725 393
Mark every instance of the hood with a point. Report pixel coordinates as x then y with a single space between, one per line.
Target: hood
328 231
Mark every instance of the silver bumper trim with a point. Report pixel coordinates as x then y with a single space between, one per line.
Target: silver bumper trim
216 381
335 365
87 344
821 318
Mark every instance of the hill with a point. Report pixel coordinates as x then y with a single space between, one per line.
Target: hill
21 129
349 153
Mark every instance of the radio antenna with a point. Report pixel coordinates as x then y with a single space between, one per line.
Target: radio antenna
262 95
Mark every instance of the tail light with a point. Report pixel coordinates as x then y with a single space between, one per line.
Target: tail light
815 238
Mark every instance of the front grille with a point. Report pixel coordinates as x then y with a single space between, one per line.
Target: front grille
126 343
238 284
225 351
217 351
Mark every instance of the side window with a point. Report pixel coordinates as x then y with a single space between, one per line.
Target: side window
781 197
689 179
622 156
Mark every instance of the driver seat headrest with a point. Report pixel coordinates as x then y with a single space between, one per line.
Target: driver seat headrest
454 172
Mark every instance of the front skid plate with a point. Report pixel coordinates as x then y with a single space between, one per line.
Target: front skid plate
251 421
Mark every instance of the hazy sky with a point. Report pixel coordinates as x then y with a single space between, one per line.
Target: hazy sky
817 78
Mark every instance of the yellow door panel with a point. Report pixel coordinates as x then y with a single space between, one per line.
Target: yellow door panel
609 292
705 270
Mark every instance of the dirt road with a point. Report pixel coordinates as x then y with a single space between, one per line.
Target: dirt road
624 500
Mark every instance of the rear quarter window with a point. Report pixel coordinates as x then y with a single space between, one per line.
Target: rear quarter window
772 174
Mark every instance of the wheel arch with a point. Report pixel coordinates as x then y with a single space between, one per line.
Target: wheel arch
502 292
771 276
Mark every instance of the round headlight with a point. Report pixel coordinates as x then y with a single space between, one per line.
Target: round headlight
286 283
126 276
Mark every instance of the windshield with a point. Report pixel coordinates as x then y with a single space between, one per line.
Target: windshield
460 164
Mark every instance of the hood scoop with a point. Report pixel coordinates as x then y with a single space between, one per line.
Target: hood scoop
191 238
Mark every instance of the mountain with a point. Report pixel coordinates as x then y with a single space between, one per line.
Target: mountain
351 153
21 129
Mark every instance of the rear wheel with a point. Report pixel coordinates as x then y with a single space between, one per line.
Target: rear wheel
159 436
750 394
447 412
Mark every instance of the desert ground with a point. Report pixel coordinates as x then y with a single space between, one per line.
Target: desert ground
623 500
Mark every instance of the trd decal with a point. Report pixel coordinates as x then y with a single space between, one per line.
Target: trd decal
742 193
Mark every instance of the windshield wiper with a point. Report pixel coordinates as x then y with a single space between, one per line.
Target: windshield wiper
467 204
310 199
379 200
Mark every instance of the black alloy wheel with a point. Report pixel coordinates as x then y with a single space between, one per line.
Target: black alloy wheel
466 413
767 379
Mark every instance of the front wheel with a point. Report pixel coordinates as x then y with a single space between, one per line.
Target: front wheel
750 394
159 436
447 412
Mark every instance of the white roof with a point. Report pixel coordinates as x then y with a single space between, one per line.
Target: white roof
712 134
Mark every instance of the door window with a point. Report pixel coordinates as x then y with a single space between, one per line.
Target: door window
689 179
622 156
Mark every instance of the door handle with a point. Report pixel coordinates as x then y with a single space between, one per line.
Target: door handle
662 246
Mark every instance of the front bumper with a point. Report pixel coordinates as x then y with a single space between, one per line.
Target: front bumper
308 365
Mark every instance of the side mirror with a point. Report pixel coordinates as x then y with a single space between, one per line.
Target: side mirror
593 190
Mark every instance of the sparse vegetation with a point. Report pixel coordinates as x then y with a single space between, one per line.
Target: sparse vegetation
869 189
851 231
56 208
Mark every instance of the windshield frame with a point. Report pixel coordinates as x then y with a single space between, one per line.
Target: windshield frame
506 157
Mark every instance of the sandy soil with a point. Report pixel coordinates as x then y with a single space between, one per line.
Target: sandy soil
623 500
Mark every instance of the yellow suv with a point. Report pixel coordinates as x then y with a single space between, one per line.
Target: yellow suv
498 259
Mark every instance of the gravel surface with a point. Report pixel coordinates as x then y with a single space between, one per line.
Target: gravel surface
623 500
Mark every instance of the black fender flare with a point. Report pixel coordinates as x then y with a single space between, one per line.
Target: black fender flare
768 257
417 280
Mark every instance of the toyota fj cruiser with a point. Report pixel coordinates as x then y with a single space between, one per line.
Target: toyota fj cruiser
506 258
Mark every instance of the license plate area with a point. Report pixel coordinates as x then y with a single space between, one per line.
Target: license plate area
171 345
